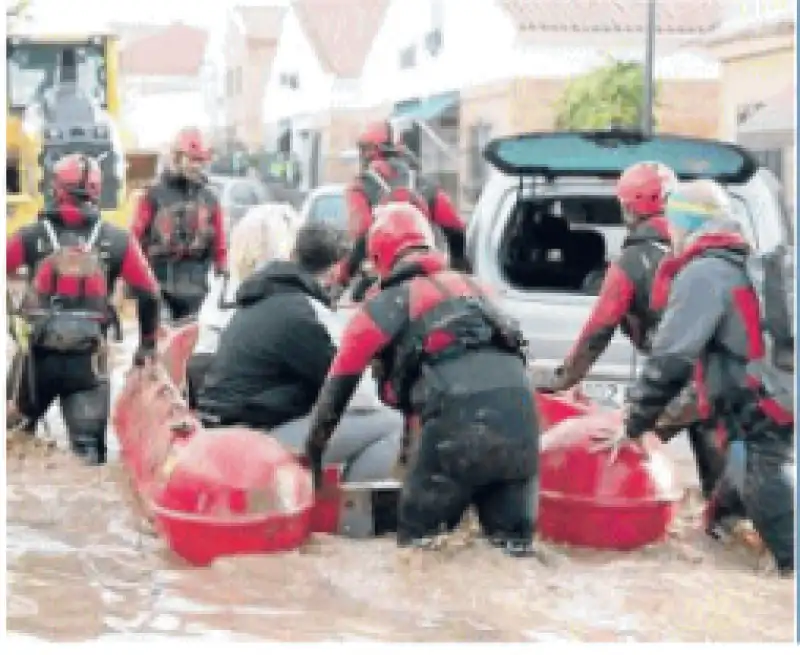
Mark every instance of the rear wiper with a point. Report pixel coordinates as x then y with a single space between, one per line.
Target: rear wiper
615 137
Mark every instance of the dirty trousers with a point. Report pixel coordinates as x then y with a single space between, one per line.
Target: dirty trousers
759 479
80 385
480 449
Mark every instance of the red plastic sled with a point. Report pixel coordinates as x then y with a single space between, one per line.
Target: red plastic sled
210 493
588 500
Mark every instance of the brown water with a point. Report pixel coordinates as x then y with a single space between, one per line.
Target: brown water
80 566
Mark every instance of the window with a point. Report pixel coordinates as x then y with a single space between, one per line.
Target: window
433 38
243 194
329 208
290 81
33 68
433 42
771 159
408 57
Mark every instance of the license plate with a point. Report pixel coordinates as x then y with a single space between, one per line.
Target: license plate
608 394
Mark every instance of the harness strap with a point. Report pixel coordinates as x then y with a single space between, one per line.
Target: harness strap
383 184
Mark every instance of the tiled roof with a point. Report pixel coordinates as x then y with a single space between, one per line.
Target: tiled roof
262 23
174 50
341 31
672 16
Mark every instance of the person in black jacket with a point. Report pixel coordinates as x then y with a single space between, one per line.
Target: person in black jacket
274 355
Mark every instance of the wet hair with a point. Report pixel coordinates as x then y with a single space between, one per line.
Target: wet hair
319 246
263 234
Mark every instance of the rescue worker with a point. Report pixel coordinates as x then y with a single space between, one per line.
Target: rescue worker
75 258
179 222
624 302
388 173
712 316
275 351
455 367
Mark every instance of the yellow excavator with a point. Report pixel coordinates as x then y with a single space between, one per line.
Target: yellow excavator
63 97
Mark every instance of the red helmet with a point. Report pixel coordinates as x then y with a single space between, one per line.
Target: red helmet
642 189
189 142
76 177
377 135
378 138
398 227
189 154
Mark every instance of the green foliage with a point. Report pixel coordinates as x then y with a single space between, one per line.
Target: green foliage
17 8
606 96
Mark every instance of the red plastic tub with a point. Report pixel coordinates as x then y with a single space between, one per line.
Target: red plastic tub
587 501
232 491
553 408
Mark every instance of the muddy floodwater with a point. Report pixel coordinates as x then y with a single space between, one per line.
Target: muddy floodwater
81 567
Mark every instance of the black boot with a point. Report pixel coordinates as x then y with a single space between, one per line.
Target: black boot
89 448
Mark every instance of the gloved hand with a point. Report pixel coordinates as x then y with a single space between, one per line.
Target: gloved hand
556 382
613 440
314 454
145 353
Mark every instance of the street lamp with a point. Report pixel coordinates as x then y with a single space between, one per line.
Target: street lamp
649 82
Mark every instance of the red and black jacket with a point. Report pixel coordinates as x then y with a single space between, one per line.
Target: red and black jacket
177 219
30 246
710 329
624 299
394 327
361 198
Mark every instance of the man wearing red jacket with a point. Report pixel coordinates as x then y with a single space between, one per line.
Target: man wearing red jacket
74 259
388 174
179 223
624 302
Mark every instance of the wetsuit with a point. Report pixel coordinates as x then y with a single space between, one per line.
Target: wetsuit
65 354
390 178
454 366
180 226
624 302
711 328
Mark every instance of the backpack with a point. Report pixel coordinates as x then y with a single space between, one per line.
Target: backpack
70 314
394 180
766 273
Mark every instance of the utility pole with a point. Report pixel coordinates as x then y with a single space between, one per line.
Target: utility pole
649 72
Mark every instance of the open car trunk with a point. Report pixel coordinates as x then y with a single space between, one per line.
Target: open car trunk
563 226
561 244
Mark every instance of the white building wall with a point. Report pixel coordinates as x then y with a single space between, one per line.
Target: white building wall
482 46
296 56
156 107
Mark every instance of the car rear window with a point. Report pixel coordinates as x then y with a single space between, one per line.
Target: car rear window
608 153
329 208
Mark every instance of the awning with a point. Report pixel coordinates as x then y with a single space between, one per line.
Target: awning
425 110
772 126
